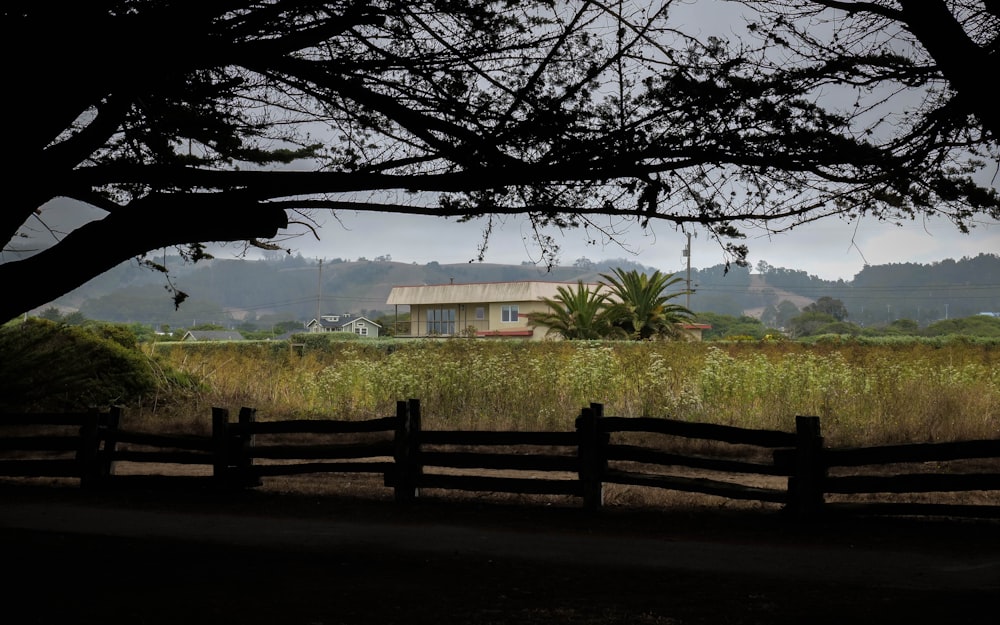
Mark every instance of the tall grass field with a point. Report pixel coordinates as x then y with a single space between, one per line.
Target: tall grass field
864 393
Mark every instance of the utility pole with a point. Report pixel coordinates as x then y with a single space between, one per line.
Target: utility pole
319 295
687 254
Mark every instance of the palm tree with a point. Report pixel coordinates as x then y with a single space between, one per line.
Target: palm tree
640 305
574 315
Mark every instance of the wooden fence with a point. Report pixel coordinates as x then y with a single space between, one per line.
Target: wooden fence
70 445
723 461
960 466
302 446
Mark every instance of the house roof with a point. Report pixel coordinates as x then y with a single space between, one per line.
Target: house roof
524 291
325 323
213 335
355 320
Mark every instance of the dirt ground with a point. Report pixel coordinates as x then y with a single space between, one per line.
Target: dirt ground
353 556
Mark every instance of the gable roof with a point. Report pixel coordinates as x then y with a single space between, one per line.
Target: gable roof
524 291
324 322
354 320
213 335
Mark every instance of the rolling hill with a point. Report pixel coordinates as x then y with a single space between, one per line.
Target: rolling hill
227 291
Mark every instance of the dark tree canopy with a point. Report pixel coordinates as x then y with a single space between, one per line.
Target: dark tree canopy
828 306
188 123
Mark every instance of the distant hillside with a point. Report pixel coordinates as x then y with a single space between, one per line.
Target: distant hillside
220 291
759 285
295 288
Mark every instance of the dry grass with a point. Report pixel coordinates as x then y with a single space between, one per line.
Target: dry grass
865 395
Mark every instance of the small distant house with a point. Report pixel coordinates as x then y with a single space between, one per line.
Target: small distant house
362 326
212 335
326 323
694 331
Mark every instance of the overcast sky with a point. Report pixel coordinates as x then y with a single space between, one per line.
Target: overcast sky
830 249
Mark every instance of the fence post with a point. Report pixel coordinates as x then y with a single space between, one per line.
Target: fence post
407 457
110 447
400 447
87 457
247 440
806 485
220 446
591 456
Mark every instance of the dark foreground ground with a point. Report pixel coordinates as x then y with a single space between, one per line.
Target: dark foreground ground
280 558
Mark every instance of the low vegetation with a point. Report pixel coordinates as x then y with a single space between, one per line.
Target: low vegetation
50 366
866 390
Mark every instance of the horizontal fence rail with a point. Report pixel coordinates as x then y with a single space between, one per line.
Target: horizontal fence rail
664 460
552 452
321 446
948 477
167 449
724 461
57 445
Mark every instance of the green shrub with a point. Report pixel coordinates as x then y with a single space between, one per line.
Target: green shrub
49 366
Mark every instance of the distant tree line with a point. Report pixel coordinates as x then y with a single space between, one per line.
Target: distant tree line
269 292
813 323
575 314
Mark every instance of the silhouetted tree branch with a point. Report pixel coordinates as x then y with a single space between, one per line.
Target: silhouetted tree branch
187 123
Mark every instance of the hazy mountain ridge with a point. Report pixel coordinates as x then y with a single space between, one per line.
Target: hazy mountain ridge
221 290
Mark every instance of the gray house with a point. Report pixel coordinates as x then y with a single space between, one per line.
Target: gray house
362 326
212 335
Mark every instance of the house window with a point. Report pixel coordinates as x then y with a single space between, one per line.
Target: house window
441 321
480 313
362 330
508 313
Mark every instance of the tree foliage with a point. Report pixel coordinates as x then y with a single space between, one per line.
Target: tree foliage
625 305
728 327
976 325
51 366
575 314
185 123
779 315
810 323
640 304
828 305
